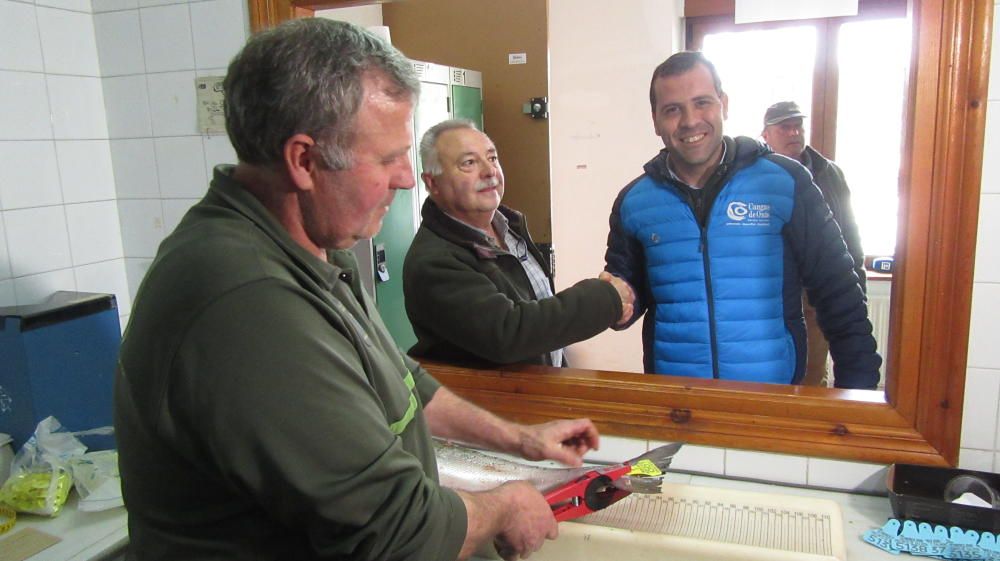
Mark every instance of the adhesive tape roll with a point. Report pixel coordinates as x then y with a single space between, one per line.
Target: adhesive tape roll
7 518
961 484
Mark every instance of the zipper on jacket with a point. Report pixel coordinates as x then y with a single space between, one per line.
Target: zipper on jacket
713 337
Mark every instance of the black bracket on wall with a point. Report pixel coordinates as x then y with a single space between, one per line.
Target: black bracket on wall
537 108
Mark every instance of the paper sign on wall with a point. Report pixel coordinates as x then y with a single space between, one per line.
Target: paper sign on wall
517 58
209 96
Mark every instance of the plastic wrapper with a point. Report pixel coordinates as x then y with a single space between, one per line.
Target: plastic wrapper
40 476
96 477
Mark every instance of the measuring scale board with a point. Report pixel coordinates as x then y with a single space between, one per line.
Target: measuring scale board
691 523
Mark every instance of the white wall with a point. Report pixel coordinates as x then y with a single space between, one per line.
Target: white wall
59 227
150 53
99 150
600 135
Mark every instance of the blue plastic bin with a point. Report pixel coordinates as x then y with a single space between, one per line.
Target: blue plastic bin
58 358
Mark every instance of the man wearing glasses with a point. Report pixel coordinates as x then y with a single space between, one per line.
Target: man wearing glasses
477 288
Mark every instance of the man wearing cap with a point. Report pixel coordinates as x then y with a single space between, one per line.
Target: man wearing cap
719 237
784 133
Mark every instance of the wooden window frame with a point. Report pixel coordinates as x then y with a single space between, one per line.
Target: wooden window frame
920 418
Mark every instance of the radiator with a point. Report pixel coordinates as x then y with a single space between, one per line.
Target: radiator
878 312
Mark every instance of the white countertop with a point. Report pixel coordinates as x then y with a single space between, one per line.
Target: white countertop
85 536
93 536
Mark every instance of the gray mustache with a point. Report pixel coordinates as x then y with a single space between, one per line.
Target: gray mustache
487 184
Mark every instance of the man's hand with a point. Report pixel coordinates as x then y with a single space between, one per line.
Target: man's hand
515 515
562 441
624 291
530 522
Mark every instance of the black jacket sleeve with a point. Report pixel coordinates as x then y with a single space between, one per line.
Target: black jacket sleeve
844 214
626 259
449 295
828 275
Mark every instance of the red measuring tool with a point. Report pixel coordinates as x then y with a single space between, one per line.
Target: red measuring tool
588 493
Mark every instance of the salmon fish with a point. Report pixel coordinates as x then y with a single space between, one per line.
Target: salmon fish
467 469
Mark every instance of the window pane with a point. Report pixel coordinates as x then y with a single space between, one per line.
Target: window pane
874 57
754 80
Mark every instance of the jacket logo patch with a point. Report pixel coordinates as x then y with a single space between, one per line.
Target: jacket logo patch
748 214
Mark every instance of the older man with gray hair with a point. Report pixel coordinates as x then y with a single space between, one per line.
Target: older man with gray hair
477 288
784 132
262 410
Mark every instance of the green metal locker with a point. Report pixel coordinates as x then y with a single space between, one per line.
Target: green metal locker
445 93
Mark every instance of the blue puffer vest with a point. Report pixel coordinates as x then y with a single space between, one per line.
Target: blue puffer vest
718 290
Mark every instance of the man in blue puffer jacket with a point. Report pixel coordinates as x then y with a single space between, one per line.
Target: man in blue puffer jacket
719 237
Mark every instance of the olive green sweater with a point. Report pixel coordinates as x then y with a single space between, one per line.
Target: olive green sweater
262 410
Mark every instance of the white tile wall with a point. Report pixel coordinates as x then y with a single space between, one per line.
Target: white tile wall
68 44
4 256
33 289
135 270
994 87
698 459
985 324
29 175
218 150
219 30
161 163
166 38
86 171
979 460
981 389
24 100
991 166
172 103
181 163
836 474
114 5
79 181
617 449
173 211
74 5
94 232
106 276
147 3
7 297
77 105
59 226
37 239
135 168
987 265
142 226
127 106
766 467
120 47
22 46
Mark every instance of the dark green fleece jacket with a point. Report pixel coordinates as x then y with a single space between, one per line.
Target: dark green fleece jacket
262 410
471 302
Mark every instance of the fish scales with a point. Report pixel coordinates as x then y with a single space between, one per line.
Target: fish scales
467 469
470 470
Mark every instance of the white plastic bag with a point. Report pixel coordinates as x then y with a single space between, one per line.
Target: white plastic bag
96 477
40 477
